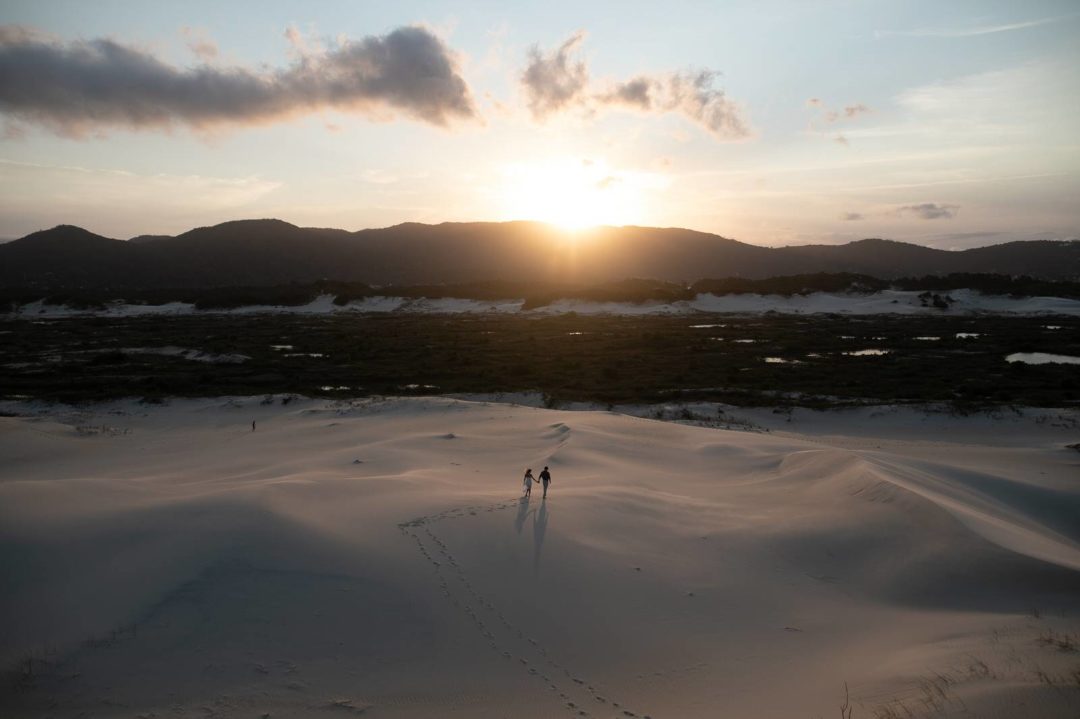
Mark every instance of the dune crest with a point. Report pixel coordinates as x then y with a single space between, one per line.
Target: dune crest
376 555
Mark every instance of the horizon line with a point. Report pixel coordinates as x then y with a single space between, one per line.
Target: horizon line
550 225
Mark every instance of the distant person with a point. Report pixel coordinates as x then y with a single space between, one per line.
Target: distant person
252 425
545 477
529 479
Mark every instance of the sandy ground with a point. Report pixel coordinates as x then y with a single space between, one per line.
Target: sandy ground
875 303
374 558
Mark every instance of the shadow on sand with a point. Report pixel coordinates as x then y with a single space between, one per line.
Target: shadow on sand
522 514
540 518
540 521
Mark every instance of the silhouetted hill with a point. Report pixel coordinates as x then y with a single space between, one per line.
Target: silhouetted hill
272 252
65 256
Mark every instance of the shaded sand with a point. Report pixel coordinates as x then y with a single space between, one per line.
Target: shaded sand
373 558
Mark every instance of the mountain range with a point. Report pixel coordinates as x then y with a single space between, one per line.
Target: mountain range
273 252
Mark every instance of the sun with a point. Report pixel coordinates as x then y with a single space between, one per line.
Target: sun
573 194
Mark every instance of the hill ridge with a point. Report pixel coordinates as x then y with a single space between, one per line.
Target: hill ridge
269 251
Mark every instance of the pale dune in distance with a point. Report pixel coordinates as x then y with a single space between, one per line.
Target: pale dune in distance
875 303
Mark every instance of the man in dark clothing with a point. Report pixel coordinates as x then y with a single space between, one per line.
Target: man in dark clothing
545 477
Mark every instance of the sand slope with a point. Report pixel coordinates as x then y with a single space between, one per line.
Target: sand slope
374 558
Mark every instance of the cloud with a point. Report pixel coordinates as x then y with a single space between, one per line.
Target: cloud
832 117
636 93
994 96
77 87
556 82
972 31
929 211
852 111
849 112
690 93
553 81
204 48
851 216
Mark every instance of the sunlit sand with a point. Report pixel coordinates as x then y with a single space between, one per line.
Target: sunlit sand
376 556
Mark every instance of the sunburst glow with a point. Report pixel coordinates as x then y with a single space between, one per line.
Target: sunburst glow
575 194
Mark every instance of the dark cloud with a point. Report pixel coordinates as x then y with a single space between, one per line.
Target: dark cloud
851 216
76 87
555 82
636 93
929 211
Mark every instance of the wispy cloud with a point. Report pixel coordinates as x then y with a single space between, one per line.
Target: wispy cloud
824 117
928 211
557 81
200 44
851 216
849 112
972 31
993 93
75 88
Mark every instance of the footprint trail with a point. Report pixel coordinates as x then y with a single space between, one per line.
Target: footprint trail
580 698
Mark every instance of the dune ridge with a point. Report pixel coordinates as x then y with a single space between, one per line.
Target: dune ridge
374 556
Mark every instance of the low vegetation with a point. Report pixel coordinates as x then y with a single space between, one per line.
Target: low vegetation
771 359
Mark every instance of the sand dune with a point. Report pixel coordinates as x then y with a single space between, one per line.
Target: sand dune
887 302
373 558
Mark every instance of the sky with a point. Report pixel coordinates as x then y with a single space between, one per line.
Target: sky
775 122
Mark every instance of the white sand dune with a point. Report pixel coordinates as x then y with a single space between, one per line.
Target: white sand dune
886 302
374 558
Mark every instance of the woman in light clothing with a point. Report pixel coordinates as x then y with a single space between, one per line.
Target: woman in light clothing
529 479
